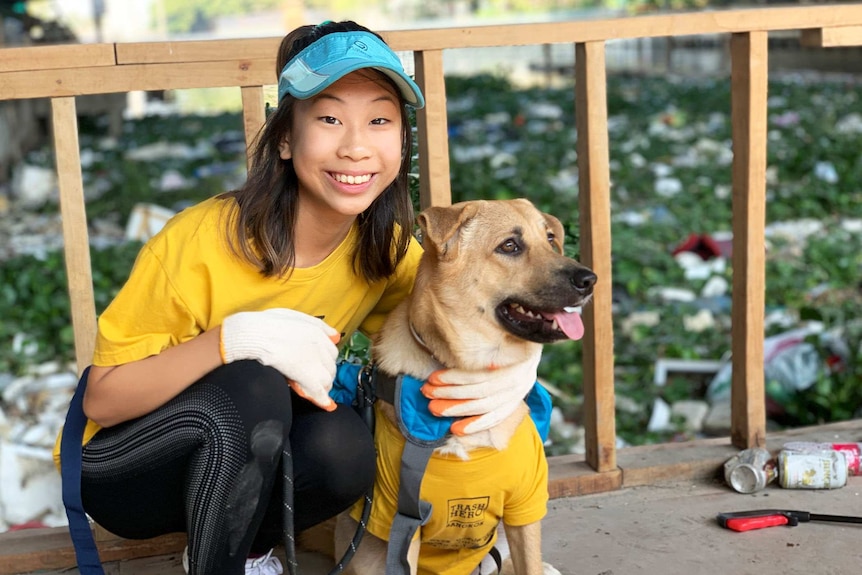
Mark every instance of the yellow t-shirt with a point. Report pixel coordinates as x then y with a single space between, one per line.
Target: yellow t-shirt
186 281
468 498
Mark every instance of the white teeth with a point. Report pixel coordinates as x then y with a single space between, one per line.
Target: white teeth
347 179
554 325
572 309
518 308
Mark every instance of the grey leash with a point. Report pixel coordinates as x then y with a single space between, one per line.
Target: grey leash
412 511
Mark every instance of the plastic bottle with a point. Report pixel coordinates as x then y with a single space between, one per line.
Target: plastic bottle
851 452
750 470
825 469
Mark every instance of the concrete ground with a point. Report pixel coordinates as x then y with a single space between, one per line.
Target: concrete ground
671 529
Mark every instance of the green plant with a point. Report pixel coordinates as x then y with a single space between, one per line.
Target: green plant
34 303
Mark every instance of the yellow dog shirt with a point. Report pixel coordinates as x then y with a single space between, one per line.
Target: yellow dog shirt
469 498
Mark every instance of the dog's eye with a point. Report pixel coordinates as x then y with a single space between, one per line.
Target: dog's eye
510 246
551 238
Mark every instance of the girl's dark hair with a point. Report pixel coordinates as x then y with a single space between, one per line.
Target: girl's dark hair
267 204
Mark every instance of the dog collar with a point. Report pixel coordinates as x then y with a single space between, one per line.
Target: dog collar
422 344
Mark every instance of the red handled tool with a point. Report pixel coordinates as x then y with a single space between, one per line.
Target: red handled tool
760 518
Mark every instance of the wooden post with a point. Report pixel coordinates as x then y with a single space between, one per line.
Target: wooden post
749 123
435 187
591 112
253 117
75 236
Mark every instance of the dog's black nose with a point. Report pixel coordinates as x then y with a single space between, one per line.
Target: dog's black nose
583 279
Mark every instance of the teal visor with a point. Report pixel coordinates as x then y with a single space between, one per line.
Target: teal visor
335 55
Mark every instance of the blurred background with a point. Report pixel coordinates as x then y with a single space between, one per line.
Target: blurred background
146 156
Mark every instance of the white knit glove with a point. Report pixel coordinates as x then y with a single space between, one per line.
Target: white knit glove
300 346
482 398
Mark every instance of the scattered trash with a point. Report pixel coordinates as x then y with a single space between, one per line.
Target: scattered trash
826 172
786 119
791 364
169 151
33 186
849 124
146 220
665 366
701 321
750 470
32 410
706 246
851 452
812 470
660 415
173 180
668 187
799 465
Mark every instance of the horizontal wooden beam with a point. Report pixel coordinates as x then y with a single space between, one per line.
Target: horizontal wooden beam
38 550
54 57
838 22
198 51
837 37
673 24
112 79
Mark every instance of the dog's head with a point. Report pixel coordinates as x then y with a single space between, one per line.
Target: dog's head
498 266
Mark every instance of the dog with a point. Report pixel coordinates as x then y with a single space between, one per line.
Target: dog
492 287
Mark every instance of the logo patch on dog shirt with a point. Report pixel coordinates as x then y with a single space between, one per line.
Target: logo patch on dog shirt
467 512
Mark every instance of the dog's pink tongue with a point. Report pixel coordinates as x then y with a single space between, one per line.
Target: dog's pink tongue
570 323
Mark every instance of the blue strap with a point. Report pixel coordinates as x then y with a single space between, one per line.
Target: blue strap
86 552
539 401
346 379
415 419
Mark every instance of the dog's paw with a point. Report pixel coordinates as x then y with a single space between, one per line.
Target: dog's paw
509 569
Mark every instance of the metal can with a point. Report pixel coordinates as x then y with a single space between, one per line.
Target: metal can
852 451
750 470
812 469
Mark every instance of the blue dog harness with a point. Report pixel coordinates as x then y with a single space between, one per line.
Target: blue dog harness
418 420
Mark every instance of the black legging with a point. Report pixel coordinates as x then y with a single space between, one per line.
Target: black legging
208 463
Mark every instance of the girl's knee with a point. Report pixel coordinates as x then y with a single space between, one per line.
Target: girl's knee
338 453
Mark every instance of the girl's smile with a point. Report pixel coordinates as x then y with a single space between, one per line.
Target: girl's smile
350 179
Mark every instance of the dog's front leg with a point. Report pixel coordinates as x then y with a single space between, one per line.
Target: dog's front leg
525 548
413 555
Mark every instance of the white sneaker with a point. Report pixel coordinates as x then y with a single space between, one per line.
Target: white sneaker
263 565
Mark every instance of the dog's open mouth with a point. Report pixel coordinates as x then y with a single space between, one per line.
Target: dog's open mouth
541 326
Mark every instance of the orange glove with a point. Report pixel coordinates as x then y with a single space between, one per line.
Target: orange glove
482 398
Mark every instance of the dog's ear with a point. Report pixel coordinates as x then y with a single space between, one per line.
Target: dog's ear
440 226
557 228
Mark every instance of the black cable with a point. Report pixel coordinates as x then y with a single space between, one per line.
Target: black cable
288 511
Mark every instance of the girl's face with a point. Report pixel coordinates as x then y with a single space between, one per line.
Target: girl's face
346 145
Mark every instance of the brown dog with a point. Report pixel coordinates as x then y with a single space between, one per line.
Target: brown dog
492 287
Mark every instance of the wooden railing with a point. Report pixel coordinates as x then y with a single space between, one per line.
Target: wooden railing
62 73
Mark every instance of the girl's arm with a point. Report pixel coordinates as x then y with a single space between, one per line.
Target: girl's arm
119 393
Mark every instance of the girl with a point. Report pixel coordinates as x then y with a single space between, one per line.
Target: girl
220 350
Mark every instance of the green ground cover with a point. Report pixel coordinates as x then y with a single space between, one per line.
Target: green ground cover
670 173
